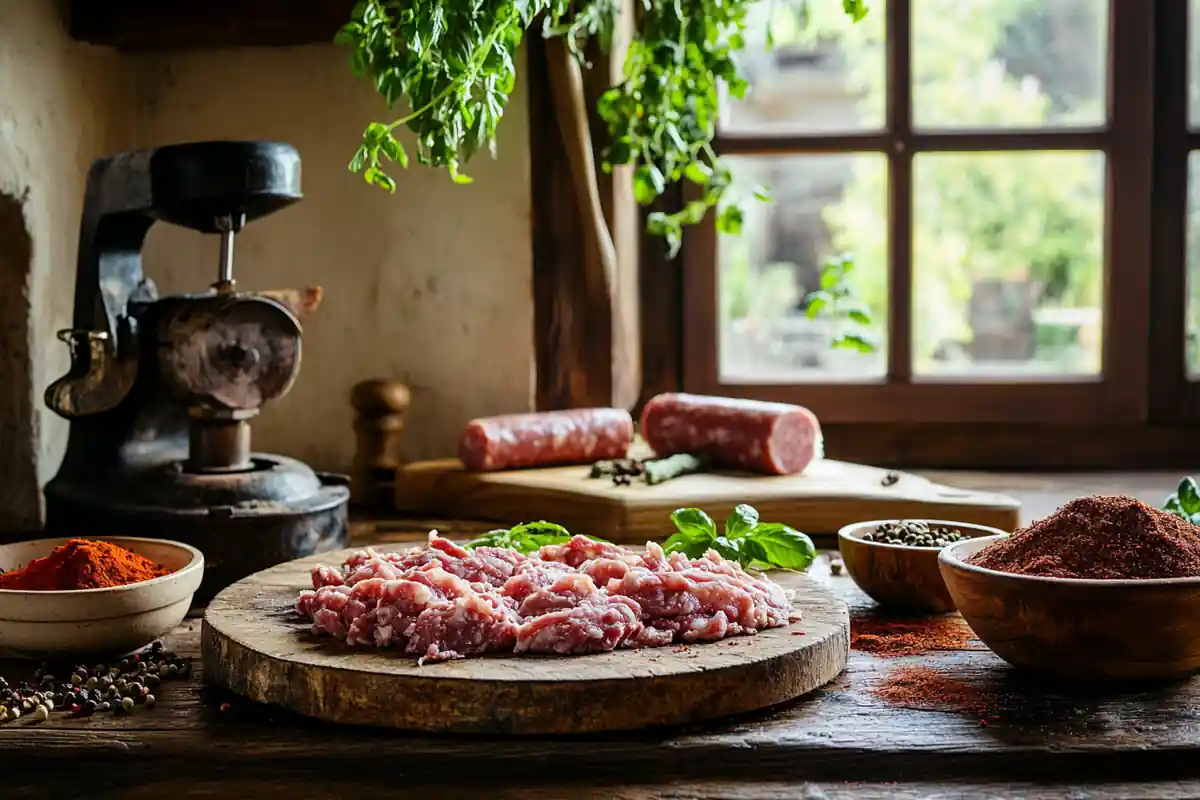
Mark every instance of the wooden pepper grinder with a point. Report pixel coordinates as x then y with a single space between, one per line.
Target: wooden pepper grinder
379 423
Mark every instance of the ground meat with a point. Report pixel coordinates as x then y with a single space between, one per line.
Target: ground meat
579 549
442 602
469 625
576 436
753 435
595 625
567 591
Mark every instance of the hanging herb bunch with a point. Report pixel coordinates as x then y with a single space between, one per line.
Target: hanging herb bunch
453 62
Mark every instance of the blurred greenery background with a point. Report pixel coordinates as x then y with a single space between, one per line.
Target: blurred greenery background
1007 246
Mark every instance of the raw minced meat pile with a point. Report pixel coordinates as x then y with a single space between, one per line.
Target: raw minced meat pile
443 602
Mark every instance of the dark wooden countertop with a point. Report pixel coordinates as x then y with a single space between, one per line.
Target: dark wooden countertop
1040 741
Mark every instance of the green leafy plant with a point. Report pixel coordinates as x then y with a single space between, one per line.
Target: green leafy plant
526 537
454 64
837 299
745 540
1185 501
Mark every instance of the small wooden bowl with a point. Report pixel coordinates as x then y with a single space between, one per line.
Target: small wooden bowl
899 575
1093 631
117 620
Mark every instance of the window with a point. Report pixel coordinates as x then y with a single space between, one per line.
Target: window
988 165
1177 207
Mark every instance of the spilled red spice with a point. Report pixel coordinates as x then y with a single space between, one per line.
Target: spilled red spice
927 689
83 564
891 638
1101 538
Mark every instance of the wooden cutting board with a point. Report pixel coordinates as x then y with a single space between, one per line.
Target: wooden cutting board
828 495
255 644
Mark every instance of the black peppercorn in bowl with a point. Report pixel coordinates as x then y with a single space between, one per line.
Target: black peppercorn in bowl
895 562
1087 630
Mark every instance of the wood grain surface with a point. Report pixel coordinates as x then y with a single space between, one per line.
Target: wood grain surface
828 495
257 646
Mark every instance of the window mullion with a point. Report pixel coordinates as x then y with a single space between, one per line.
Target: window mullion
898 44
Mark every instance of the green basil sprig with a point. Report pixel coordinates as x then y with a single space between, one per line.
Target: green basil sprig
746 540
527 537
1185 501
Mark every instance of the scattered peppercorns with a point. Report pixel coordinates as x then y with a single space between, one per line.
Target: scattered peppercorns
913 534
85 691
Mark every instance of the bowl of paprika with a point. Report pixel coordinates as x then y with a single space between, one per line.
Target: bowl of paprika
1104 591
102 595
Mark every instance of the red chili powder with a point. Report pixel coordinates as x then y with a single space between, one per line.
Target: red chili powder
1100 537
929 690
907 637
81 564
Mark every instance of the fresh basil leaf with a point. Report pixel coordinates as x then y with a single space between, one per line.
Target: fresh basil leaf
782 546
541 527
741 521
501 537
694 522
728 548
1189 495
690 545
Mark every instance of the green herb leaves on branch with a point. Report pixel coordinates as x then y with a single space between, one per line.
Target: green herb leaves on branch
453 62
746 540
837 300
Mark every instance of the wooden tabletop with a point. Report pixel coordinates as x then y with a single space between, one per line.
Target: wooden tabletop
842 741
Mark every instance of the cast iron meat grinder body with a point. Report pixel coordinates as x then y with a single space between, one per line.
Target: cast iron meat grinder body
128 468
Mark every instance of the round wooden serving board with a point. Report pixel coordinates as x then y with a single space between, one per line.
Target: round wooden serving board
256 645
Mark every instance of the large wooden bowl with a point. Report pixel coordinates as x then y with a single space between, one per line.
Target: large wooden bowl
1095 631
898 575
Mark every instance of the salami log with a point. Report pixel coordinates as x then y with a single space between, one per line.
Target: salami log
548 438
752 435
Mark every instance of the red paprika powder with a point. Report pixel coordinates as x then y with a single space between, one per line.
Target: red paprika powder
890 637
83 564
1100 537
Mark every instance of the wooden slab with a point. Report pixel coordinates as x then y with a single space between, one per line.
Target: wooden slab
828 495
254 644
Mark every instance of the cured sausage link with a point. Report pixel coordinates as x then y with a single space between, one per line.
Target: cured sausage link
547 438
752 435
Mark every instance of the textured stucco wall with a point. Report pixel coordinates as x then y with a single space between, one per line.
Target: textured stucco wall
61 105
430 286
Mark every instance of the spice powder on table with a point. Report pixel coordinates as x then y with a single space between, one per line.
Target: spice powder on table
892 637
927 689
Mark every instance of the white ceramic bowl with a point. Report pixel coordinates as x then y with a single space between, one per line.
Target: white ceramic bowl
118 620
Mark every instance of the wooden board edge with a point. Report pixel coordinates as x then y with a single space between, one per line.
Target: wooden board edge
229 663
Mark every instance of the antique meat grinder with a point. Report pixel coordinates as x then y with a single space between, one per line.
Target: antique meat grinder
162 389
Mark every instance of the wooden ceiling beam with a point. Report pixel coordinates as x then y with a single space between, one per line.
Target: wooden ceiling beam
152 25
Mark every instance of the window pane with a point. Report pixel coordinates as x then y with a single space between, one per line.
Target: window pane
822 206
1194 63
1007 264
1193 268
1009 63
823 74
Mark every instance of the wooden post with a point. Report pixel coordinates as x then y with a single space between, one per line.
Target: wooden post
378 425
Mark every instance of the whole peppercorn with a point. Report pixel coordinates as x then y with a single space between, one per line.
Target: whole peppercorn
127 704
149 701
41 713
